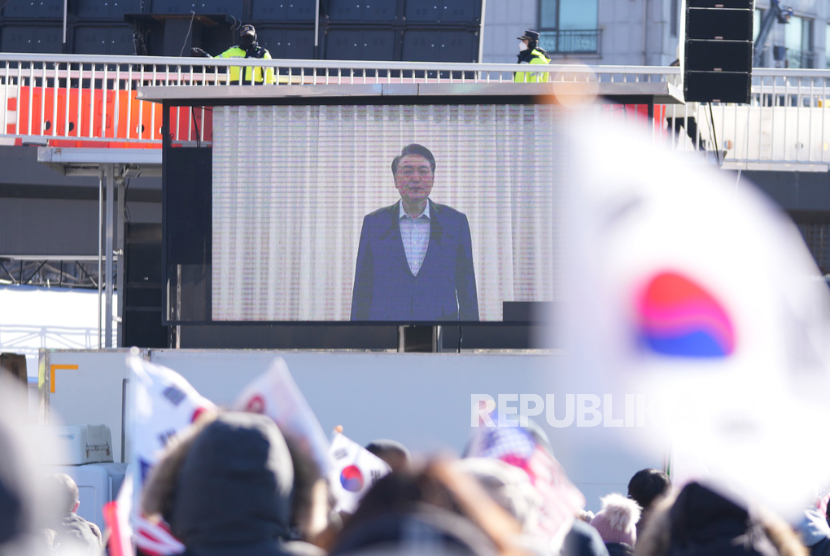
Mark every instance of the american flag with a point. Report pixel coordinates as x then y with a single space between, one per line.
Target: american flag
516 446
117 517
155 538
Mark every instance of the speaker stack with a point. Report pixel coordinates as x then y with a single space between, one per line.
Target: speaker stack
717 62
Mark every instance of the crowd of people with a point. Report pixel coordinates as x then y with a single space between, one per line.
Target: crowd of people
233 484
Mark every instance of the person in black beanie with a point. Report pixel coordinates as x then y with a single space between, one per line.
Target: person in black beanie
646 487
393 453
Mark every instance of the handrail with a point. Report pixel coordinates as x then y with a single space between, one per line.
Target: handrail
81 98
323 64
374 65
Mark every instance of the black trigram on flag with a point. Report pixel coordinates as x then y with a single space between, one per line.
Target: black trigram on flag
174 395
375 475
165 436
340 454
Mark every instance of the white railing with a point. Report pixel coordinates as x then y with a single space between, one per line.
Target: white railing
81 99
785 125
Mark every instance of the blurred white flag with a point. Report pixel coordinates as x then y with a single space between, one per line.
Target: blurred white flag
355 471
694 290
275 394
164 404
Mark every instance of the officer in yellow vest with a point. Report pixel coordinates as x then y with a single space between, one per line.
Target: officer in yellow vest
531 53
248 48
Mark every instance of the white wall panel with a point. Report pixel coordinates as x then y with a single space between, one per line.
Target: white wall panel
422 400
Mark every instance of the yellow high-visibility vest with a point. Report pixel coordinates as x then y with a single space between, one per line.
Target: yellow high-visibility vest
233 71
533 76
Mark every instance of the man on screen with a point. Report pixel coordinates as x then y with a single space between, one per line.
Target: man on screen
415 259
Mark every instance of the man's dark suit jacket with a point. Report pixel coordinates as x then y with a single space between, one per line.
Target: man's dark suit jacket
445 288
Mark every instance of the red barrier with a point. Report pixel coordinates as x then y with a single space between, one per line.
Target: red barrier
58 115
637 112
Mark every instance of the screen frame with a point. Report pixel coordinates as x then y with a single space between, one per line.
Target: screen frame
345 95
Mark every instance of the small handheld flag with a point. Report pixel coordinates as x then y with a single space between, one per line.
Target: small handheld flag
355 471
275 394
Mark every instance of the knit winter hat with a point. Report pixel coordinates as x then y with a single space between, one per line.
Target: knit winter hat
617 519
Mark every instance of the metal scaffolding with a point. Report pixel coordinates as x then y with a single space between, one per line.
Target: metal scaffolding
113 167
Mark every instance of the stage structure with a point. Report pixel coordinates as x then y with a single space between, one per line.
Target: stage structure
290 218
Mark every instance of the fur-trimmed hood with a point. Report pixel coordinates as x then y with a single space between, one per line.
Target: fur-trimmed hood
226 482
701 522
617 520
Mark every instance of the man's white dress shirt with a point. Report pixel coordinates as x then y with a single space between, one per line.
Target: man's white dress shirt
415 237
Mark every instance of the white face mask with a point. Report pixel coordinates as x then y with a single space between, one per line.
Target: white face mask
522 46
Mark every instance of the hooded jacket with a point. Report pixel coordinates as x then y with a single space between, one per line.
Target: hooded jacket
426 530
227 489
583 540
702 522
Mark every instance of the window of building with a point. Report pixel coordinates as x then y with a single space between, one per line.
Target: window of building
827 46
548 14
675 18
761 53
569 26
798 38
577 14
807 35
757 17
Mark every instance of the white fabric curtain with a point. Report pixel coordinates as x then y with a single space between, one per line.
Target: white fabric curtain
291 185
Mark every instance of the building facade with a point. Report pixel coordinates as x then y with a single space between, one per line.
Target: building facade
640 32
801 43
608 32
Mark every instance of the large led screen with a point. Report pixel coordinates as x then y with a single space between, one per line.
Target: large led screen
406 213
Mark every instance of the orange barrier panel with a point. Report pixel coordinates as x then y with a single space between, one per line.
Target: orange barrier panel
193 123
135 119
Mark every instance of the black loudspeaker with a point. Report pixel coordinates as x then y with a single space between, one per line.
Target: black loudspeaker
717 64
734 4
718 55
718 24
718 86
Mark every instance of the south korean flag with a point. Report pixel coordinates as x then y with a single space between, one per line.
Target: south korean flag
355 471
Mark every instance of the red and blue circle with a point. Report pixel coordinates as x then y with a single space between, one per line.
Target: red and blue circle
351 478
680 318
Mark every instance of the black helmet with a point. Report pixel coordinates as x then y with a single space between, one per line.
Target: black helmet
247 30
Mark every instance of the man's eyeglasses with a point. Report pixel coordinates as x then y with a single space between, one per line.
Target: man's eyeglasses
409 172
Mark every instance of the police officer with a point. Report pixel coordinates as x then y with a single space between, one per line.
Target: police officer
247 48
531 53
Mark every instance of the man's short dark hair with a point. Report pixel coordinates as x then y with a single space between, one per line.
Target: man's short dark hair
646 485
414 148
64 490
393 453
